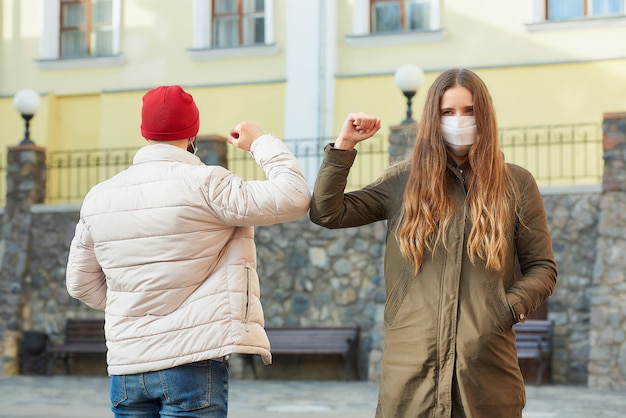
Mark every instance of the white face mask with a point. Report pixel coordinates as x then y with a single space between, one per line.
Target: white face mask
459 133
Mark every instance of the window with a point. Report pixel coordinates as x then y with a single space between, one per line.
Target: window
80 34
389 16
86 28
238 23
232 28
574 14
395 22
572 9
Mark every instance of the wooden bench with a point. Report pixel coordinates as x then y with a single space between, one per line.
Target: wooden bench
341 341
534 342
82 336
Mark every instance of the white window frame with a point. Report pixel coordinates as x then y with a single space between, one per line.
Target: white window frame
362 36
202 32
536 19
49 48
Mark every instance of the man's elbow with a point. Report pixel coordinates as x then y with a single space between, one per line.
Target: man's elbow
299 202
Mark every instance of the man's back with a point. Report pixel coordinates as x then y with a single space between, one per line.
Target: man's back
166 249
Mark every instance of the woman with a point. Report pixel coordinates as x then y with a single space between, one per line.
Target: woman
458 216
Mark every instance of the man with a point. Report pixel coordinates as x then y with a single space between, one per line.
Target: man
166 249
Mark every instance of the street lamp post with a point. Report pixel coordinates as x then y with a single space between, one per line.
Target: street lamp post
27 103
409 78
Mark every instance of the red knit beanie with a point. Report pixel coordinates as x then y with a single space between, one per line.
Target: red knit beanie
169 113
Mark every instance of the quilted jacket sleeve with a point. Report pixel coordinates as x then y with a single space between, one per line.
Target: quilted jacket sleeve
284 196
332 208
85 279
535 254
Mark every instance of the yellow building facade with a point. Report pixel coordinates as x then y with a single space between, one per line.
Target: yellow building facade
297 67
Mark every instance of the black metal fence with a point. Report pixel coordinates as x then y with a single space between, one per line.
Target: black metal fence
557 155
372 160
72 173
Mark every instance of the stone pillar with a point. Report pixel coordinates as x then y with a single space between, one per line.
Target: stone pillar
607 357
212 150
401 141
26 185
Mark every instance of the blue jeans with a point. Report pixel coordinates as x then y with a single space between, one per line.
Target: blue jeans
198 390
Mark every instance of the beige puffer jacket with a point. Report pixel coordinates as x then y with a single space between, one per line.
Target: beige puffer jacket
167 249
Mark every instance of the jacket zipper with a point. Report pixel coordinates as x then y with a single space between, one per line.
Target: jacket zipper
246 301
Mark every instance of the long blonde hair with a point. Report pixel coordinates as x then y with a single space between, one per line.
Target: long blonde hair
428 208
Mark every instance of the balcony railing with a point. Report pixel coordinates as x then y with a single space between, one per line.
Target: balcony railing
556 155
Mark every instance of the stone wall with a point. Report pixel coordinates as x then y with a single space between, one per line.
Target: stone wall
311 276
48 305
572 217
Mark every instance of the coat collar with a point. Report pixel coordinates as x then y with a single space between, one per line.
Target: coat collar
165 152
461 172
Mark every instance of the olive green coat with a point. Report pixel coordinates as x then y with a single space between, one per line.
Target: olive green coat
449 345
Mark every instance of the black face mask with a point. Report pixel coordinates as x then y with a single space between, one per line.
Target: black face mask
191 147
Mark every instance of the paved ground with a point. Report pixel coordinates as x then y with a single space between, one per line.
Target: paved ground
87 397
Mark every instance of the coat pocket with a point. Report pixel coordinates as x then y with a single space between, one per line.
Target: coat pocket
403 300
244 292
504 313
245 314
